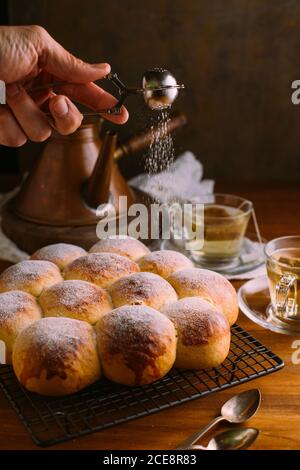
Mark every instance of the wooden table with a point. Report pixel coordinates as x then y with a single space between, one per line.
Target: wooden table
277 209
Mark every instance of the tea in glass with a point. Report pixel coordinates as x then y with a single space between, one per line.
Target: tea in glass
224 225
283 269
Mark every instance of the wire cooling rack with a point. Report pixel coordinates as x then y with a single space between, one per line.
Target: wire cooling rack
53 420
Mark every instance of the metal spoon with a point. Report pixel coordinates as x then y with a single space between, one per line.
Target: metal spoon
237 409
236 439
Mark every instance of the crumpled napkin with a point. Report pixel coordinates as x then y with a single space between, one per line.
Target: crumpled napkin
8 249
181 182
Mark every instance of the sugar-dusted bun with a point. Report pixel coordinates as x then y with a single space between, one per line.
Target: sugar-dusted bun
121 245
203 333
75 299
137 345
30 276
60 254
208 285
142 289
100 268
164 262
56 356
17 311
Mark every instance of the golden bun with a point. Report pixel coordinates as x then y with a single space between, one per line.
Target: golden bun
81 300
203 333
17 311
121 245
208 285
142 289
164 262
100 268
137 345
31 276
56 356
60 254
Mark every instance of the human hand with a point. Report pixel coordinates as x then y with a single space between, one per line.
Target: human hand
30 57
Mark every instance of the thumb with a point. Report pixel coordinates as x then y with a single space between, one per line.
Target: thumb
61 63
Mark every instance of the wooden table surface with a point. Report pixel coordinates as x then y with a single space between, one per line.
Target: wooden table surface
277 209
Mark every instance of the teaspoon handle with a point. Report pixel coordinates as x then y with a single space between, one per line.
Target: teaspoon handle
197 435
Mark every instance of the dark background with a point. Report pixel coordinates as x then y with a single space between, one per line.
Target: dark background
237 59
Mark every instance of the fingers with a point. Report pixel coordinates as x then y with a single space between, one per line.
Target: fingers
25 119
42 95
11 133
95 98
56 60
31 119
66 116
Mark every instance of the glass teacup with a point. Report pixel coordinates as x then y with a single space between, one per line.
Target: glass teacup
283 268
225 220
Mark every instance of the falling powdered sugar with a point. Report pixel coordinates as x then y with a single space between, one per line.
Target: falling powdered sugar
161 150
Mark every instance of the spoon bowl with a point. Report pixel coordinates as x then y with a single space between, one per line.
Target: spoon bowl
240 408
235 439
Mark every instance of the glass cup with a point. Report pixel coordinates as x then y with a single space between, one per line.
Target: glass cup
283 269
224 223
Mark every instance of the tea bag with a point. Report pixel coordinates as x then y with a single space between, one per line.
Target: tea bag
290 261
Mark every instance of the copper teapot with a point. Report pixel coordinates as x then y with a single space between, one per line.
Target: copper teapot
71 178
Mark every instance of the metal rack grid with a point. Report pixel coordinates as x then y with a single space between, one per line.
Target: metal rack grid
51 420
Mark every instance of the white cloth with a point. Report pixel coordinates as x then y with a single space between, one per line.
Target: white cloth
8 249
181 181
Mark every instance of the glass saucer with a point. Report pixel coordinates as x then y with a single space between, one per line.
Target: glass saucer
251 257
255 303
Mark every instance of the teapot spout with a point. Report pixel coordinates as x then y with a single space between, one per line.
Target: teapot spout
97 189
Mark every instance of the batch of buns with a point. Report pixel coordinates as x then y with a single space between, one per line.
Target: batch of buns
67 317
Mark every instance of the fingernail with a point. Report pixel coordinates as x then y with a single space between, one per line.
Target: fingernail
105 67
12 90
60 107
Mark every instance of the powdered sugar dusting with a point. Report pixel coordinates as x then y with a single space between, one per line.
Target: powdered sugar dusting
161 150
101 268
165 262
74 295
122 245
28 270
197 320
56 336
14 302
131 323
142 289
59 253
